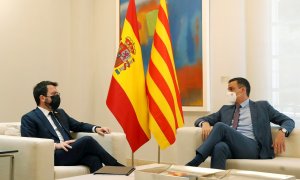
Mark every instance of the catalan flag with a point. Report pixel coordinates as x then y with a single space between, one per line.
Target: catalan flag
165 110
127 98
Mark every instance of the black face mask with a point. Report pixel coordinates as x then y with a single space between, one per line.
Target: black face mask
55 102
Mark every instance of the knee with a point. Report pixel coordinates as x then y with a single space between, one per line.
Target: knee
87 139
221 126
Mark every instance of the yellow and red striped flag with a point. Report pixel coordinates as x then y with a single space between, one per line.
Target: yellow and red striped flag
127 98
165 110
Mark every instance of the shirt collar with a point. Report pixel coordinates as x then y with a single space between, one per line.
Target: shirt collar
245 103
44 111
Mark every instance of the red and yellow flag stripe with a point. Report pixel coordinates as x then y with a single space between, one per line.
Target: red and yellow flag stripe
162 87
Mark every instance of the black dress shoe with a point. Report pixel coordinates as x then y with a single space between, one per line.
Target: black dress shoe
196 161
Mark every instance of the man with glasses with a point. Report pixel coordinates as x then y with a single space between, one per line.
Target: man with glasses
241 130
49 121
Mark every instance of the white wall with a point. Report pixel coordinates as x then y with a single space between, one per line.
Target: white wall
34 46
74 42
106 43
258 43
46 40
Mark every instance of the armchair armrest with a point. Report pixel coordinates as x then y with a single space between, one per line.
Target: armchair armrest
35 159
114 143
187 140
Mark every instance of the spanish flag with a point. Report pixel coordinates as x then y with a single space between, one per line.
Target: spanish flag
165 109
127 98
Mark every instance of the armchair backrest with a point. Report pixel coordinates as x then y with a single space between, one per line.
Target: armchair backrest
10 128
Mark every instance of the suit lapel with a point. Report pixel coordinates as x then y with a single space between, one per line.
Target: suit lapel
254 116
230 113
45 121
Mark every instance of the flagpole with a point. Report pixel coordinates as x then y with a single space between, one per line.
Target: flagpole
158 155
132 159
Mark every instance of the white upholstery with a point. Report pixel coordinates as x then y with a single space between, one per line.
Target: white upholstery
35 159
10 129
69 171
189 138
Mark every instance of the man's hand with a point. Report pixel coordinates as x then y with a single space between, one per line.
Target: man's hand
64 145
206 128
279 143
102 130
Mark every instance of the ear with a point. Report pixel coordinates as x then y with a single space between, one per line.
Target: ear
42 98
244 89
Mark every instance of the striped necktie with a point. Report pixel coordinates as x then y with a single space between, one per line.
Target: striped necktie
236 116
59 127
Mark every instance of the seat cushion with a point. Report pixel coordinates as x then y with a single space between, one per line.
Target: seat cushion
68 171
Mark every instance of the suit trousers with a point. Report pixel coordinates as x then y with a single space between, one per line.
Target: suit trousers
85 151
224 142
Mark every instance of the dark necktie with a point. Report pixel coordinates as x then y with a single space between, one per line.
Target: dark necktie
59 127
236 116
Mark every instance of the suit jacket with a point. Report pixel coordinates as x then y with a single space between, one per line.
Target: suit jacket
36 124
262 113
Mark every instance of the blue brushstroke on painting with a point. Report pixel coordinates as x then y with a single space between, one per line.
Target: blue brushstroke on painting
123 1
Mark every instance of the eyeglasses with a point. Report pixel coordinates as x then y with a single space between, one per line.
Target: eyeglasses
56 94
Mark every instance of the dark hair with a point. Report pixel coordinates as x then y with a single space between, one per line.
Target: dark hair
41 89
242 82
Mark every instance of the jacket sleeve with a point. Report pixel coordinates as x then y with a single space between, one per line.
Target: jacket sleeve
28 127
211 119
75 125
280 119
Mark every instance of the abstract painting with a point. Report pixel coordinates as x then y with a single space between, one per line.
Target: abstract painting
189 33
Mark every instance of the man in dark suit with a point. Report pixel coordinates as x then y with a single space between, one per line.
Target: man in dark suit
47 121
242 130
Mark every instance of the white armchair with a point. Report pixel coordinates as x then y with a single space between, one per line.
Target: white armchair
35 159
189 138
